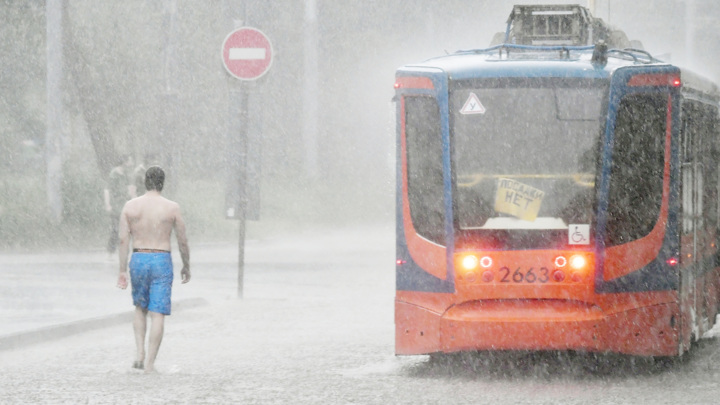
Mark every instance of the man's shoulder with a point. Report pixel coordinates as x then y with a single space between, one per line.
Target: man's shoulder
170 203
131 203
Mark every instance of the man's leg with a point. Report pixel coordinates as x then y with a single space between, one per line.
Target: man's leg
140 326
157 328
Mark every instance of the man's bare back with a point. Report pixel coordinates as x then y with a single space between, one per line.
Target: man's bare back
151 219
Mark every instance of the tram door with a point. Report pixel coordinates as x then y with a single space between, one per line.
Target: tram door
694 241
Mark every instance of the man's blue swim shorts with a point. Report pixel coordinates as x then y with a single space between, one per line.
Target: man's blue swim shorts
151 275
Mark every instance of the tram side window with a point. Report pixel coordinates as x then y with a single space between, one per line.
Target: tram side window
688 138
709 159
636 175
700 170
424 167
713 162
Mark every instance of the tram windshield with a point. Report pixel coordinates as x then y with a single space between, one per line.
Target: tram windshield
525 152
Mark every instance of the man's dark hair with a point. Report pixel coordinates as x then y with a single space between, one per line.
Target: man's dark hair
154 178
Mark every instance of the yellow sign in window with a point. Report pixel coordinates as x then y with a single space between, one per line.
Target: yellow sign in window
518 199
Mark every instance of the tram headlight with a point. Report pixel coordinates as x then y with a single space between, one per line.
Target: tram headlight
580 266
578 262
577 267
470 262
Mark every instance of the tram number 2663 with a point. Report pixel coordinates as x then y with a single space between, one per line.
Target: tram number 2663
531 275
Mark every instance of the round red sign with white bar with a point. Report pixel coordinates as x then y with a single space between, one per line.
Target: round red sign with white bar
247 53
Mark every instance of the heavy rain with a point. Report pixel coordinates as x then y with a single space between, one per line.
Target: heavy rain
287 182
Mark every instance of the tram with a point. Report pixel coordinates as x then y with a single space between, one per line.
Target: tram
555 192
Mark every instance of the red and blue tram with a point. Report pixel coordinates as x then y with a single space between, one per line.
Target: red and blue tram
555 198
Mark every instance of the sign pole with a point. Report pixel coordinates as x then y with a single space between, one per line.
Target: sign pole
242 180
236 153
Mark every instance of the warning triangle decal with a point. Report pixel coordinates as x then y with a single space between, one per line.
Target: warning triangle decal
473 106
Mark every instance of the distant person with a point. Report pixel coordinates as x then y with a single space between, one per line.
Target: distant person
116 193
139 173
149 221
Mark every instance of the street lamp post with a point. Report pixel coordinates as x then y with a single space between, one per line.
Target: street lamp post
53 132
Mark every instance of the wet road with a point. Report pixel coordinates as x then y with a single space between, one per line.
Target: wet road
315 326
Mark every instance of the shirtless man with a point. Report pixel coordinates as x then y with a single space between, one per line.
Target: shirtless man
149 220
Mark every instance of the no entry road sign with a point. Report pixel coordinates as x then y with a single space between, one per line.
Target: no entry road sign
247 53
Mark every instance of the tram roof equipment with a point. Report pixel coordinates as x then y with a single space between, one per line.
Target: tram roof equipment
571 25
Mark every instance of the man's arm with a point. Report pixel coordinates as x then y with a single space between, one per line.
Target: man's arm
183 245
123 248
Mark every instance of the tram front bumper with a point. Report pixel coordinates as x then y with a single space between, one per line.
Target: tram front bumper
536 325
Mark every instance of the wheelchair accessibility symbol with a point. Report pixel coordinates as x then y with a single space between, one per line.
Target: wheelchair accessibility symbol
579 234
